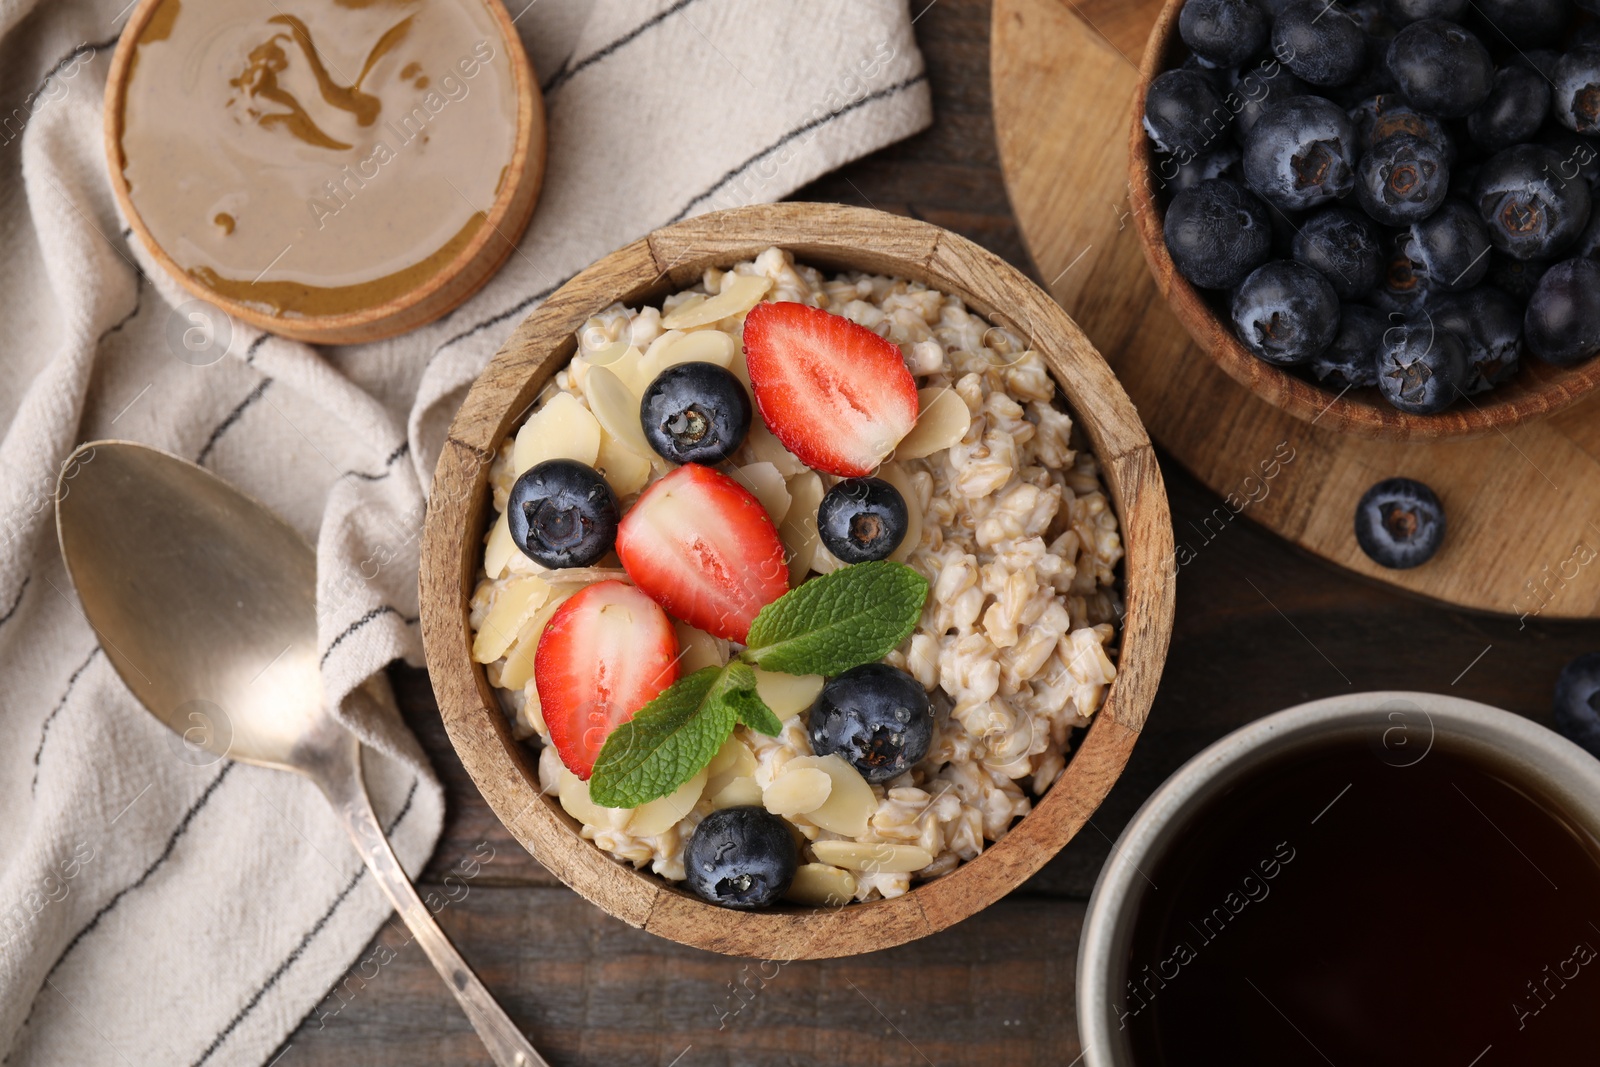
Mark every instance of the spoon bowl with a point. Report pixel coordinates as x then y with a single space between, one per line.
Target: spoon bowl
205 603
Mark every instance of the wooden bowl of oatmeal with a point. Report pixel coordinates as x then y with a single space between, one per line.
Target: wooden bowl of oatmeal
331 173
990 804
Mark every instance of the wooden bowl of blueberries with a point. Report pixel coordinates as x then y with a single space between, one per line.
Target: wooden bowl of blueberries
1381 216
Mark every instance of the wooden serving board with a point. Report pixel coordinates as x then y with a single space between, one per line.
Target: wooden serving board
1523 506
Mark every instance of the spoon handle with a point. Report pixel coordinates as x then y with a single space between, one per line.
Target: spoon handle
347 792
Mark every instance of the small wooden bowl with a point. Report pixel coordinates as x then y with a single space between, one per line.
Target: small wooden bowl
830 237
438 294
1537 390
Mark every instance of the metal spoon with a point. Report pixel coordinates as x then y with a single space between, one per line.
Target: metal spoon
199 593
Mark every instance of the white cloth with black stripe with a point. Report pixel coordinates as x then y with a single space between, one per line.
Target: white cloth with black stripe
162 910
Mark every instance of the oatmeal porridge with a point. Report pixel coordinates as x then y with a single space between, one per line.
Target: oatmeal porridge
1005 517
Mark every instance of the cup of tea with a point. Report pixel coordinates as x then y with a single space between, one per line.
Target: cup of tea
1375 879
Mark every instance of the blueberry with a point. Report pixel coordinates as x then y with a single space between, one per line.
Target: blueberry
1540 60
1374 18
1442 68
1532 211
1517 278
1563 320
1402 180
1421 367
1408 11
1489 324
1580 156
1301 153
1588 246
695 413
1351 362
862 519
562 514
1525 23
1373 79
1226 32
1222 161
1345 247
1577 92
1450 248
1515 110
1255 89
1577 705
1403 287
1320 42
1378 118
1217 232
1286 313
742 857
876 717
1184 112
1399 523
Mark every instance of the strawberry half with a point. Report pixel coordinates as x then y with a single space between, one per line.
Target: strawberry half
835 393
705 550
604 654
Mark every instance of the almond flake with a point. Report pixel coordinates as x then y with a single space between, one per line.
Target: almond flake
766 484
519 660
738 793
617 408
872 857
738 296
513 603
942 422
896 476
624 469
821 886
797 790
661 814
561 429
787 694
499 549
799 529
850 800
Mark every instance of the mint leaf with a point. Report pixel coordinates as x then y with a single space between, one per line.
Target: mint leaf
667 741
855 615
746 702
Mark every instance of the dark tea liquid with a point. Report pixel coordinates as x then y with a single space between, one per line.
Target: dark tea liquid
1340 909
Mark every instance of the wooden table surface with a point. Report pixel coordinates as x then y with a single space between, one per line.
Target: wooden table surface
1260 626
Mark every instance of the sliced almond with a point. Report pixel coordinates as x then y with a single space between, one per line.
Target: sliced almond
872 857
573 793
788 694
942 422
896 476
850 800
824 561
799 529
697 649
616 407
739 296
734 759
796 791
693 300
519 660
702 346
821 886
741 371
624 364
513 603
766 447
561 429
766 484
738 793
499 548
659 815
624 469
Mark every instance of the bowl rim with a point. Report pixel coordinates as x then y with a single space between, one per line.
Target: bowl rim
669 259
1567 774
438 294
1550 389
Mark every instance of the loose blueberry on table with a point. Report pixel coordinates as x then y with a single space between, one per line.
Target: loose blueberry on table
1434 161
1399 523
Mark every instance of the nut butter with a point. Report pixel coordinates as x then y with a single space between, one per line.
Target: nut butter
308 158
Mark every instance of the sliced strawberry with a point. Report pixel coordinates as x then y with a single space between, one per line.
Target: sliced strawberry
835 393
705 550
604 654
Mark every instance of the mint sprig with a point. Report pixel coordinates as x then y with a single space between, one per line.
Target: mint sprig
855 615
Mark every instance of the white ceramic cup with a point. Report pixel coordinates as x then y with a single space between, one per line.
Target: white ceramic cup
1401 727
